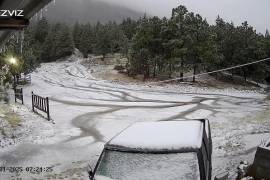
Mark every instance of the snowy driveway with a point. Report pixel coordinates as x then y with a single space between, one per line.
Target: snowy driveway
88 112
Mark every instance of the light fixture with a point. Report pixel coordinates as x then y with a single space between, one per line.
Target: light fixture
13 61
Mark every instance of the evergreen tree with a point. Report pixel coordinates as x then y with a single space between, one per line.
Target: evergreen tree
129 27
267 35
29 54
154 46
41 30
179 38
77 33
102 45
63 43
58 44
86 39
140 53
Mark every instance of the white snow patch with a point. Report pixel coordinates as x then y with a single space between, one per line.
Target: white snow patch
102 178
170 135
199 114
115 122
255 140
208 102
80 142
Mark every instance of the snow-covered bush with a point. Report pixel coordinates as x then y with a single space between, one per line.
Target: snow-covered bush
4 83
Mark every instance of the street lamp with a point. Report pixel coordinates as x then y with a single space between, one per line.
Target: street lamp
12 61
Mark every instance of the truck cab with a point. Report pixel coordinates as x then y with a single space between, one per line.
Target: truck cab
173 150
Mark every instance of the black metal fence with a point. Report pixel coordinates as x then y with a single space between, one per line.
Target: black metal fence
41 104
18 94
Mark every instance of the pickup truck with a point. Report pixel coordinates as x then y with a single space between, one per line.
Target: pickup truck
171 150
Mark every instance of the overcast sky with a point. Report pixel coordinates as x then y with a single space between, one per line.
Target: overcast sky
256 12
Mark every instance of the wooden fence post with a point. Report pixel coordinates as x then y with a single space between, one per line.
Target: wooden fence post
15 94
22 95
18 94
48 110
33 102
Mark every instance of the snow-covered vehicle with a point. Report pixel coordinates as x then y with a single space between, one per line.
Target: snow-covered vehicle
171 150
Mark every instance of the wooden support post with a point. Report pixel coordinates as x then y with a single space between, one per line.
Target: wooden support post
22 95
33 108
15 95
14 82
48 110
18 94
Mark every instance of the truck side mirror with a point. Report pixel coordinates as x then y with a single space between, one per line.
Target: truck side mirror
90 172
222 176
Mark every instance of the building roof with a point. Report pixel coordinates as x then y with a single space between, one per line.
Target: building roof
30 7
163 136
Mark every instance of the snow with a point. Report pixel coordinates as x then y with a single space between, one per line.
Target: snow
87 112
200 114
208 102
155 136
142 166
25 129
102 178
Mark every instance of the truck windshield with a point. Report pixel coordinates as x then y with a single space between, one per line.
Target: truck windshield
138 166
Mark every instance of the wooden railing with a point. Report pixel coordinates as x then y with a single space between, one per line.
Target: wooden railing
18 94
41 104
22 80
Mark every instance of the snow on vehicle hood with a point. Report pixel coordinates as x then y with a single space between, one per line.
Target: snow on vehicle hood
159 136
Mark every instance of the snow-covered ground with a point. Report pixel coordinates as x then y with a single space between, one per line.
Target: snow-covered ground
87 112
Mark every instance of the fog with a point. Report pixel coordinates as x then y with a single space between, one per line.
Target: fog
255 12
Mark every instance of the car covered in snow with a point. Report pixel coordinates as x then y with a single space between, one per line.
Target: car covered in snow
171 150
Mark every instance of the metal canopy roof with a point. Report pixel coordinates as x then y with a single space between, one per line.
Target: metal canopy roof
30 7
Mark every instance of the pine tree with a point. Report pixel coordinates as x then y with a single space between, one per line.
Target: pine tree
129 27
41 30
267 35
102 45
86 40
140 53
63 42
59 43
29 56
179 40
77 33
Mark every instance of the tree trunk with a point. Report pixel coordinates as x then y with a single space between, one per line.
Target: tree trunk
155 68
194 72
146 72
216 76
245 74
159 68
170 73
182 72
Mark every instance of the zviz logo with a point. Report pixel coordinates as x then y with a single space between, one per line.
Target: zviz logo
11 13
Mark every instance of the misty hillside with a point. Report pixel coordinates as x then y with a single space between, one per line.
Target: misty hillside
83 11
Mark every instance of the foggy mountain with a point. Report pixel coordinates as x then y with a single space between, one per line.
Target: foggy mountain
83 11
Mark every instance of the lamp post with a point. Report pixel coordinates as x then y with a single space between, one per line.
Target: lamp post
13 62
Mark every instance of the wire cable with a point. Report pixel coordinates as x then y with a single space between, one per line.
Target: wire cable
211 72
